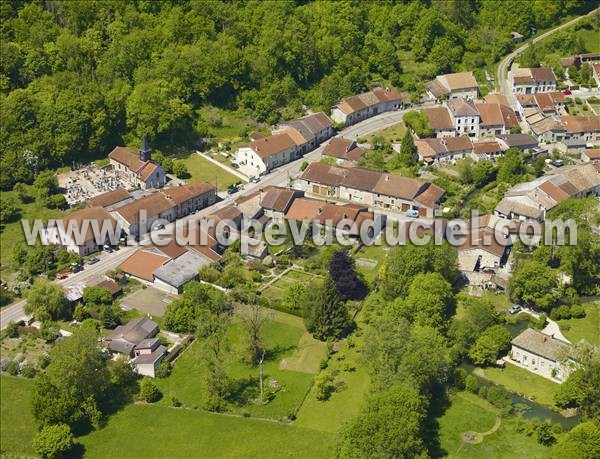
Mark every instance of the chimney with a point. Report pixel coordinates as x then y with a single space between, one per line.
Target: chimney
145 150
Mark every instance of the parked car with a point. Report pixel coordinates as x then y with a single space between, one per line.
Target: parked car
76 267
233 189
62 275
160 226
254 179
567 92
514 309
107 248
412 213
93 260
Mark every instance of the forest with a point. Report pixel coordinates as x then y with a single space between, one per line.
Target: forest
79 77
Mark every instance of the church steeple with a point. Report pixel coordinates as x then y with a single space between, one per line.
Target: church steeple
145 150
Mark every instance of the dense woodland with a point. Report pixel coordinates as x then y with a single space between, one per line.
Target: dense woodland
77 78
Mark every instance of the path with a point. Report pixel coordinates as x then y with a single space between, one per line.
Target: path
231 170
506 63
551 328
471 437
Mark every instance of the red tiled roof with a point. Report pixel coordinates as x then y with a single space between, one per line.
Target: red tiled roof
272 145
142 264
109 198
183 193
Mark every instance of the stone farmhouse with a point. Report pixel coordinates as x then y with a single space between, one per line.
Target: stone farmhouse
265 154
542 354
308 132
356 108
371 188
436 150
345 151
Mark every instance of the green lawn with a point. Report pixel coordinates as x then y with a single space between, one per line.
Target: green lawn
468 412
331 415
12 233
202 170
16 422
146 431
370 259
285 339
587 328
590 39
393 133
522 382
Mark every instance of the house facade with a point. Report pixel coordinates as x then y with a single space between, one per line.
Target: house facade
453 85
308 132
137 167
356 108
533 80
265 154
542 354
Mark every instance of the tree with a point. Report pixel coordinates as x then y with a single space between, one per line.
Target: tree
429 302
582 442
9 209
325 314
293 297
483 172
96 296
490 345
408 150
389 426
535 283
511 166
479 315
253 320
180 170
46 301
343 272
465 167
77 376
53 441
149 392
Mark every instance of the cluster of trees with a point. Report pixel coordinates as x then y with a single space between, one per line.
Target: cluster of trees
407 351
536 277
78 388
119 70
418 122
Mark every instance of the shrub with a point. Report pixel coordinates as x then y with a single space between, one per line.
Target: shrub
53 440
482 391
43 361
561 313
499 397
303 166
12 330
49 332
12 368
460 376
472 384
577 311
149 392
325 385
163 370
175 402
28 371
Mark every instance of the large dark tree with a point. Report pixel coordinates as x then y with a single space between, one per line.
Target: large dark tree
325 314
343 272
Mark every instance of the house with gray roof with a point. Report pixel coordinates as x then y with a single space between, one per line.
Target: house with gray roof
542 354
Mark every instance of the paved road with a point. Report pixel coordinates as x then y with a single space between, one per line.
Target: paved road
280 176
505 63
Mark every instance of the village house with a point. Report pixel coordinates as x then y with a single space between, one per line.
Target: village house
532 80
308 132
596 73
345 151
531 200
549 103
265 154
111 199
580 131
591 155
276 202
330 215
136 339
542 354
453 85
436 150
578 59
523 142
371 188
495 119
82 222
190 198
465 117
440 121
356 108
137 167
490 150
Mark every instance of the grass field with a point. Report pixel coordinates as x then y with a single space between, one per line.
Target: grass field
522 382
587 328
332 414
16 422
277 289
468 412
391 134
154 431
202 170
370 259
286 341
12 233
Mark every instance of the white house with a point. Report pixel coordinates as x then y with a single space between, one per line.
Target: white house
265 154
453 85
542 354
356 108
465 117
532 80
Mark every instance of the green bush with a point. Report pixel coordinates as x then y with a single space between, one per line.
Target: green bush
472 384
53 441
28 371
577 311
163 370
149 392
12 368
12 330
325 385
500 398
